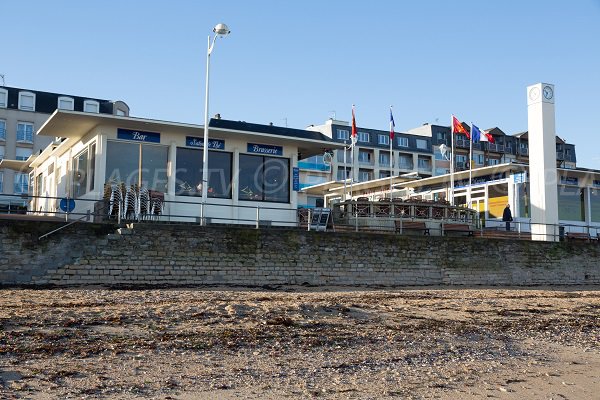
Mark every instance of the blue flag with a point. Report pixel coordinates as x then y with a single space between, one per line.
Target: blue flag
475 133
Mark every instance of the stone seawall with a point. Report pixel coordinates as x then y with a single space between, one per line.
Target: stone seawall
157 254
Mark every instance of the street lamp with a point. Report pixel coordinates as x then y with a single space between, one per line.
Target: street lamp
219 30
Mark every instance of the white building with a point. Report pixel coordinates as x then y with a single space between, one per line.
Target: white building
253 170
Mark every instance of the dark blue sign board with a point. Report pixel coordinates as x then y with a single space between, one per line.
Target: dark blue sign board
296 179
265 149
569 180
67 205
193 141
138 136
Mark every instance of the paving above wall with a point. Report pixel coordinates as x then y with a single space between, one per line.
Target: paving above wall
159 254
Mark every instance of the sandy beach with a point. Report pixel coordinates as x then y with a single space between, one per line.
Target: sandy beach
271 343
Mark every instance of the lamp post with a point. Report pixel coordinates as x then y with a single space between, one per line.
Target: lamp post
219 30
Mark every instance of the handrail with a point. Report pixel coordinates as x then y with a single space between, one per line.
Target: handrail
87 216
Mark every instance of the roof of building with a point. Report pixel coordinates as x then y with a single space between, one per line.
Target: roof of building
47 102
268 129
74 125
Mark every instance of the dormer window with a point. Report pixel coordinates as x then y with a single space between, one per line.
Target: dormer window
27 101
66 103
91 106
3 98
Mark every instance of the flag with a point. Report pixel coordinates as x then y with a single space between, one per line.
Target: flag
486 137
476 134
353 124
458 128
392 125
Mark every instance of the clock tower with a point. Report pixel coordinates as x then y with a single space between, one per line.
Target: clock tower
543 183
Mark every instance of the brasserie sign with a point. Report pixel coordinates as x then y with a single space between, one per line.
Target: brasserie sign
265 149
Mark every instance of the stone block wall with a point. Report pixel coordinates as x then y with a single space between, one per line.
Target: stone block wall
156 254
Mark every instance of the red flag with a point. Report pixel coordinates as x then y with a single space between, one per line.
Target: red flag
458 128
353 123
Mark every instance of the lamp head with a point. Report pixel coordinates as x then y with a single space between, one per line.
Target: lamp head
221 29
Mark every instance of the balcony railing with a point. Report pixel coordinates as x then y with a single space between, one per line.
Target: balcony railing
462 143
314 166
405 166
498 148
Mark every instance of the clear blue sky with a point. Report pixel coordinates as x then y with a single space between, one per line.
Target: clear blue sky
303 60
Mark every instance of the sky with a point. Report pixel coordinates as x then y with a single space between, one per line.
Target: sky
298 63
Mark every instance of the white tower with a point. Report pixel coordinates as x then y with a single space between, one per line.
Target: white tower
542 162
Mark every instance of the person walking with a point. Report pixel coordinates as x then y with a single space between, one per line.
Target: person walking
507 216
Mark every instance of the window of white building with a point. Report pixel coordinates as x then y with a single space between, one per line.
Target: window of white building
1 181
343 134
403 142
3 98
91 106
383 139
422 144
21 182
1 152
66 103
23 153
27 101
25 132
2 129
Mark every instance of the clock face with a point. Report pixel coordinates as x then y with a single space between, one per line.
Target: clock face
534 93
548 92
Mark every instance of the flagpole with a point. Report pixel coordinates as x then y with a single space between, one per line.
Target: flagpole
345 172
391 168
452 160
391 154
470 162
352 169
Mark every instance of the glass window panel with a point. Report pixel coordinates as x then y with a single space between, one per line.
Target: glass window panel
22 153
21 183
92 165
595 204
1 152
154 167
219 174
2 129
571 204
188 174
251 177
80 176
276 179
264 178
122 162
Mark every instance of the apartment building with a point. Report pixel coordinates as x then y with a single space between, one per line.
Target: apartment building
22 113
370 159
506 148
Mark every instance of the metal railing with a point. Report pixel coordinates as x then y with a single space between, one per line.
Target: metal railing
361 215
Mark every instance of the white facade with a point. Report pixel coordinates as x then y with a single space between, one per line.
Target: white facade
81 165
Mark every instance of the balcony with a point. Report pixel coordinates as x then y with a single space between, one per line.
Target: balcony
463 143
405 166
497 148
308 166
